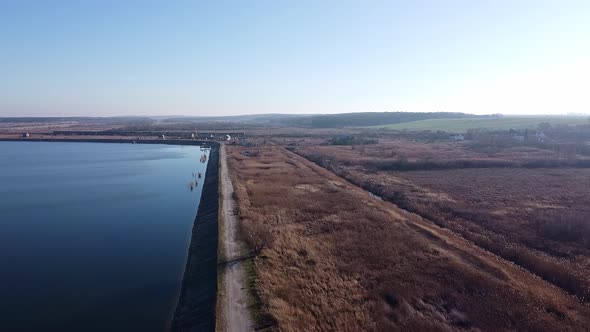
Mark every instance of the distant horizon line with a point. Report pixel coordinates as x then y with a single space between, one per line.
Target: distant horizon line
279 114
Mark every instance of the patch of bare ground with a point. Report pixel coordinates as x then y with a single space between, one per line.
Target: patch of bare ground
342 260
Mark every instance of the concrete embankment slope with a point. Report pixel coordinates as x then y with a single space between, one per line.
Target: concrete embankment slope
196 305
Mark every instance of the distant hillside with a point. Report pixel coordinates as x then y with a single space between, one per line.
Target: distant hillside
249 118
370 119
506 122
313 121
324 120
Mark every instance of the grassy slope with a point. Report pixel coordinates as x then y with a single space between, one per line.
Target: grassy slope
462 125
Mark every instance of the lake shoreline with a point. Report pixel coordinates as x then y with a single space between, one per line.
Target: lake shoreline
196 308
112 140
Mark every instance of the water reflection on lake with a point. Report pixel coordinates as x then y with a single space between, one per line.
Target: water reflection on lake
94 236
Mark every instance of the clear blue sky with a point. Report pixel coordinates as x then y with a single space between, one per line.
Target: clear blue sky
101 58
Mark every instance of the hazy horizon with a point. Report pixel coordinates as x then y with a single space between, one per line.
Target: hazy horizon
156 58
582 115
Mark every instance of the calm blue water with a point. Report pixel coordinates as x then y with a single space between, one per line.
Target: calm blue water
94 236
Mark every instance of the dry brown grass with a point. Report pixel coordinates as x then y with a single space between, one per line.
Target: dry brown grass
403 154
537 218
342 260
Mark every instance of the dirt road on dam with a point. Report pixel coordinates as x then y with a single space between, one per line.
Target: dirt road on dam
236 316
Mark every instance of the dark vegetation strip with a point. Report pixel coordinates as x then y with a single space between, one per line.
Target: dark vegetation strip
196 305
403 165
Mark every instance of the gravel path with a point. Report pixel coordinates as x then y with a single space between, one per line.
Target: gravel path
236 314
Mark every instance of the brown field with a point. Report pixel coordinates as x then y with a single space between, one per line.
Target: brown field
340 259
404 154
535 217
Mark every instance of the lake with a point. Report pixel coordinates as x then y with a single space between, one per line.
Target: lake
94 236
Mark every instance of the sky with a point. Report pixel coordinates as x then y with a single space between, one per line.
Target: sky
110 58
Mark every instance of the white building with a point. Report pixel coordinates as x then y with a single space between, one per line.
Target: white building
457 137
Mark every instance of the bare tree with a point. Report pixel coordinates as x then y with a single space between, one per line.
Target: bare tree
257 234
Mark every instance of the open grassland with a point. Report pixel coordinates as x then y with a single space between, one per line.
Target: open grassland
336 258
403 154
507 122
538 218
